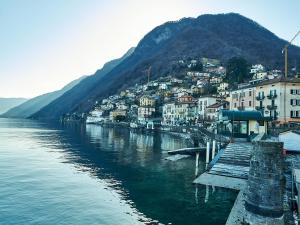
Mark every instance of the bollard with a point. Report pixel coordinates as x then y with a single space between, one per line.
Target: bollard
197 163
213 149
207 152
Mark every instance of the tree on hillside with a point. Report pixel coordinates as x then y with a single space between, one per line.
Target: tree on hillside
197 67
237 70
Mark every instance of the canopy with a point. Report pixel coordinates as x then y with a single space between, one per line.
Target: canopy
242 115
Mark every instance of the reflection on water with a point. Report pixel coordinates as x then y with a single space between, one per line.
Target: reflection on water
120 167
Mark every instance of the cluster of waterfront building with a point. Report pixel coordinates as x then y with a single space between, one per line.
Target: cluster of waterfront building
198 97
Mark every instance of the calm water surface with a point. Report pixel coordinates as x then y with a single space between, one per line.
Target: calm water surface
51 174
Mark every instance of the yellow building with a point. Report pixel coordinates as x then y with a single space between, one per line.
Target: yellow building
242 99
147 101
279 99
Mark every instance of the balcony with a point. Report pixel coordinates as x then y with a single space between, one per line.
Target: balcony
272 96
260 97
272 107
259 108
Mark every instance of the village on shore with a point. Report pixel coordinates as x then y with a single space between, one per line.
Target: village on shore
201 97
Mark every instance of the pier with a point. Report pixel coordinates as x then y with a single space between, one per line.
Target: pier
187 151
231 169
255 169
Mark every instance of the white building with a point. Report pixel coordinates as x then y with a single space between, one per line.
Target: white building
203 102
95 116
169 113
223 86
145 113
257 68
212 111
279 99
183 111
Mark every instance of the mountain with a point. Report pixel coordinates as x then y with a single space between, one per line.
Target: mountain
8 103
33 105
220 36
78 95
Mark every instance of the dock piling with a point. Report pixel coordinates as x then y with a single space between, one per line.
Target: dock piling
213 149
207 153
197 164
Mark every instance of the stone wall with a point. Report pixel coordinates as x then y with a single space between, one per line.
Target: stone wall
264 194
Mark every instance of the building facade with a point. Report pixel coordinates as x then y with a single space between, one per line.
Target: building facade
203 102
242 99
147 101
279 99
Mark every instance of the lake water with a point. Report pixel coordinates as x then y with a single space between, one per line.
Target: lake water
77 175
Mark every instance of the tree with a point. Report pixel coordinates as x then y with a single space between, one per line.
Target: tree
120 118
197 67
237 70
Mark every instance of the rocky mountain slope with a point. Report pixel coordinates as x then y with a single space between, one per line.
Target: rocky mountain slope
221 36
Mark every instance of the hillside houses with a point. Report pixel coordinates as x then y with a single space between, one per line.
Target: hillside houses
184 110
198 97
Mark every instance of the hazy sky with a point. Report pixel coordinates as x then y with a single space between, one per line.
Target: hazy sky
44 44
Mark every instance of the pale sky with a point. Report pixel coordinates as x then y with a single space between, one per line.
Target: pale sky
44 44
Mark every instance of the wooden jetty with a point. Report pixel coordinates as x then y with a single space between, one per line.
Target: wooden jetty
187 151
231 169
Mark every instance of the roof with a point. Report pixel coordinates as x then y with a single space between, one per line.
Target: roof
217 104
242 115
281 79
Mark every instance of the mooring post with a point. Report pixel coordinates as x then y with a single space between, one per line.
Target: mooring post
207 153
213 149
197 163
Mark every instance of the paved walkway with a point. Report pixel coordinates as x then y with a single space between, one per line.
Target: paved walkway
221 181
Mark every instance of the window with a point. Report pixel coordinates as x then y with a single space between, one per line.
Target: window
234 105
294 102
295 114
272 92
295 91
250 93
250 103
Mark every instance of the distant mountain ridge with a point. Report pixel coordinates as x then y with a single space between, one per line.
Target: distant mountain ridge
78 95
8 103
33 105
220 36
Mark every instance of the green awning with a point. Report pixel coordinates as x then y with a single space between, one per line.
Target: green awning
242 115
